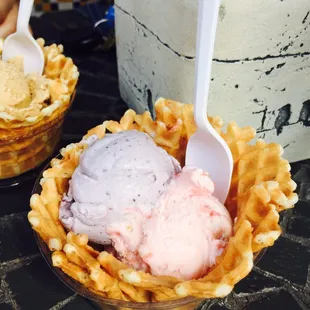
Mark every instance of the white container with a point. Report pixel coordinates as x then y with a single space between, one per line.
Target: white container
261 67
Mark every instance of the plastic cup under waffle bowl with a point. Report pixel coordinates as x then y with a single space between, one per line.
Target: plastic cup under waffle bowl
261 187
27 142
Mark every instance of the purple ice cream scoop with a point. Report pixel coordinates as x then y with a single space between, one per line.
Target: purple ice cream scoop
121 172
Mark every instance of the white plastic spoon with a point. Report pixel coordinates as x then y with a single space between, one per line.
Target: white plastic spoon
21 43
206 149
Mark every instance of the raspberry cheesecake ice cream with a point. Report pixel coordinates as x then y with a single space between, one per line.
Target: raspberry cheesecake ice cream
184 234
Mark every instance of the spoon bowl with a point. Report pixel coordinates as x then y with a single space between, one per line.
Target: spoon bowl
211 154
206 149
21 43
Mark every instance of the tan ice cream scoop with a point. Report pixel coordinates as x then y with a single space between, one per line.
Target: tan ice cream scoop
21 95
14 89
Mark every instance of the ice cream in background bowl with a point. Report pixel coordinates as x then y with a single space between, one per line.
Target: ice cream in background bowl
32 109
21 95
175 239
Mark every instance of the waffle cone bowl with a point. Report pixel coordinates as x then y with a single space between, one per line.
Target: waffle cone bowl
261 187
26 142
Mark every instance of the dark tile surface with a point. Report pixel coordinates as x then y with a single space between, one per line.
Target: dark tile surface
85 123
4 306
287 259
99 67
16 236
302 208
302 175
26 282
97 84
11 198
94 103
282 300
299 226
40 287
78 303
255 282
218 307
304 191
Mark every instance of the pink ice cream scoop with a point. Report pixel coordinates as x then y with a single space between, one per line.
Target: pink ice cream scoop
118 173
184 234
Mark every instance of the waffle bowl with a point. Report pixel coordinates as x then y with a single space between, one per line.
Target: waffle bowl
26 142
187 303
261 188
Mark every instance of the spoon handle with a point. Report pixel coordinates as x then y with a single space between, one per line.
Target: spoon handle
206 30
24 13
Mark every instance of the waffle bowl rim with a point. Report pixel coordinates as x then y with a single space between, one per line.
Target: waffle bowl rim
58 113
41 117
85 292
